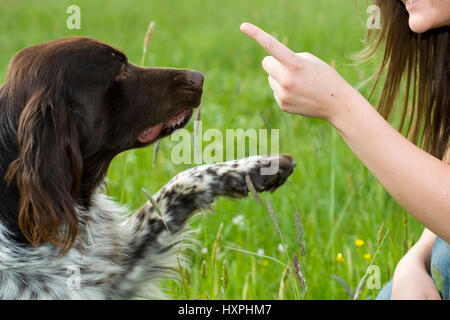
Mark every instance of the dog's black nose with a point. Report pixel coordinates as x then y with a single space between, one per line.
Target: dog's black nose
196 78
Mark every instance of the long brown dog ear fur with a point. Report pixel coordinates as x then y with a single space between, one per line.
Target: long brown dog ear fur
47 172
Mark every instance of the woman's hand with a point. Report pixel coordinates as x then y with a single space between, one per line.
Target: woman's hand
413 282
302 83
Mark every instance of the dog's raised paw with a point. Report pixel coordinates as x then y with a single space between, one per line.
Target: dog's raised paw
266 173
271 172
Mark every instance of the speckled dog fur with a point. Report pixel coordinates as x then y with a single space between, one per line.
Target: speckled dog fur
121 259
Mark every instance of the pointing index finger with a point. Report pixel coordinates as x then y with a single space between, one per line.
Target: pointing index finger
274 47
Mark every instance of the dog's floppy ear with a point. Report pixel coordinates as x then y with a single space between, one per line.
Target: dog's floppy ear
47 172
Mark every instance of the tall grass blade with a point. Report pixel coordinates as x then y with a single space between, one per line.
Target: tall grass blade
300 232
284 277
299 274
348 290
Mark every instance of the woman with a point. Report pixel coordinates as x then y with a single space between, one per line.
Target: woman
416 36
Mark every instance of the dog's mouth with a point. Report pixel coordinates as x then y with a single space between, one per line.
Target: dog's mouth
166 128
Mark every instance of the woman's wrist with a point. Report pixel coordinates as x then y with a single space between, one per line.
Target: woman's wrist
420 253
417 259
349 106
411 264
412 261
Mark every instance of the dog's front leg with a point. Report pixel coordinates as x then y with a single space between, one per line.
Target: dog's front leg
152 233
197 188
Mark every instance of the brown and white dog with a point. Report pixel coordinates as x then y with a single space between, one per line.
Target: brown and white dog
67 108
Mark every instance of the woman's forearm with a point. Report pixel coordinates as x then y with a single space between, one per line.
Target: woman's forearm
418 181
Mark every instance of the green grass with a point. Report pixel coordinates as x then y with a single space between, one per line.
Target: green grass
338 199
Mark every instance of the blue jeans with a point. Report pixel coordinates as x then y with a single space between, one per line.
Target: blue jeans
440 271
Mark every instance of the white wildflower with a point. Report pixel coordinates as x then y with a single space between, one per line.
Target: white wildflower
239 220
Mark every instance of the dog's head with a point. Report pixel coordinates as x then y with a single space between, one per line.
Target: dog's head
75 104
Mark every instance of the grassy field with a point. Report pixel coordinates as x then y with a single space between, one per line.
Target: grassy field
339 201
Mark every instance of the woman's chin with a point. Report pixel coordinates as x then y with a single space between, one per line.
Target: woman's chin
419 24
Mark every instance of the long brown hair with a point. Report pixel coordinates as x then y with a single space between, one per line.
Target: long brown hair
419 64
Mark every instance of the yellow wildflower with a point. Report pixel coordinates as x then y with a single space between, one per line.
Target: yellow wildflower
340 257
359 242
367 256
